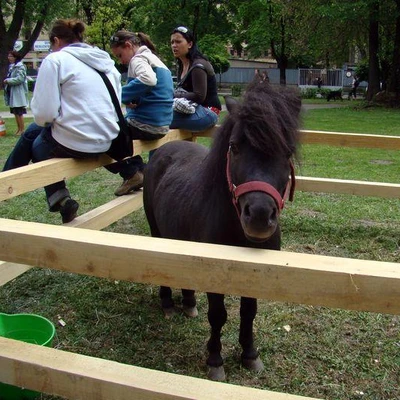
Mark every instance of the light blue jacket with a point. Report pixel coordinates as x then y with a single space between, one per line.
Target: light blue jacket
150 87
16 89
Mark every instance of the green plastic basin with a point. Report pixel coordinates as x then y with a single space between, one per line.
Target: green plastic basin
28 328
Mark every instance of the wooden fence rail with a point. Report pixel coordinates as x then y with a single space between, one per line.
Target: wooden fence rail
75 376
281 276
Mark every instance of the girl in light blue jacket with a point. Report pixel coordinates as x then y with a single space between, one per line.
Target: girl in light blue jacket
148 96
16 89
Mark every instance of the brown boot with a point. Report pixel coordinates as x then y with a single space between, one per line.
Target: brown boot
131 184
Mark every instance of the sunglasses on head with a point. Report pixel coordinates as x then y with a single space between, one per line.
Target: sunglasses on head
115 39
181 29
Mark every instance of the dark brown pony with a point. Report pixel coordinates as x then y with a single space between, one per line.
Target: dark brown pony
231 194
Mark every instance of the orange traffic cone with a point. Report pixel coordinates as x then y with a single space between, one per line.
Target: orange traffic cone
2 127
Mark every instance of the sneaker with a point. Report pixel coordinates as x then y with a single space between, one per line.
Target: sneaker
68 210
131 184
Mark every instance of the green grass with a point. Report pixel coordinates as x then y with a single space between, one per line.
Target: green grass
354 119
330 354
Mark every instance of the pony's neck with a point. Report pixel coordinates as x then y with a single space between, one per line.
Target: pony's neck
215 169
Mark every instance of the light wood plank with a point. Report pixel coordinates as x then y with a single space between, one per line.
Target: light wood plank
10 271
338 139
108 213
350 139
25 179
359 188
97 219
34 176
141 146
282 276
76 376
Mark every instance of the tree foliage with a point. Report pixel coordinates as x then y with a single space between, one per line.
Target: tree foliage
306 33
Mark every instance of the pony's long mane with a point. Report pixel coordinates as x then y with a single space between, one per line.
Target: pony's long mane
269 119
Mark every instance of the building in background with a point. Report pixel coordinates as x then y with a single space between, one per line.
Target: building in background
34 58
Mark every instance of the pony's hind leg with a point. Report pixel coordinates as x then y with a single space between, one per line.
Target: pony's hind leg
217 316
189 303
167 303
250 357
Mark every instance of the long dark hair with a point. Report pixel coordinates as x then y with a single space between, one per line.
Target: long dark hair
69 30
194 51
138 38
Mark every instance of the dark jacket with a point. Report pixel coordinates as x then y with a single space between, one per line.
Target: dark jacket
200 84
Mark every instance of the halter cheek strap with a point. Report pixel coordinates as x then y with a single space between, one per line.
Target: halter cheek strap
259 186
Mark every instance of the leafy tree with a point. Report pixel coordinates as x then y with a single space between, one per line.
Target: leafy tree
215 49
28 18
270 25
105 22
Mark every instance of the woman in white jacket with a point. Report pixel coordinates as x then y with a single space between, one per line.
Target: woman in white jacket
72 106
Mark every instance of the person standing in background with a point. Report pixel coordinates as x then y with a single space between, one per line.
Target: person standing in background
354 86
16 89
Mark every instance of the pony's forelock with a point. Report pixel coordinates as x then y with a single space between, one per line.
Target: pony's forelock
270 118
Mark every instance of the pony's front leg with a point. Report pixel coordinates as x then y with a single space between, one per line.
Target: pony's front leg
167 303
216 317
189 303
250 356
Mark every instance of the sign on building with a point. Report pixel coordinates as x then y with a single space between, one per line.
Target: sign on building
39 45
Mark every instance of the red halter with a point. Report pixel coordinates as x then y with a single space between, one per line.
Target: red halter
259 186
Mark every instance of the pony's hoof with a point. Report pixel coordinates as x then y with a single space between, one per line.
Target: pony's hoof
169 312
216 373
255 365
190 312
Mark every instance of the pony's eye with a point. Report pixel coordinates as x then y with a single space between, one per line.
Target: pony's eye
234 148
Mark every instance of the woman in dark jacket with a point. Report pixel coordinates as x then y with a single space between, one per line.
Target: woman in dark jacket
196 83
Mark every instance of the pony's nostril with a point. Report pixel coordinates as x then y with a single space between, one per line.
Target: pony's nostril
246 210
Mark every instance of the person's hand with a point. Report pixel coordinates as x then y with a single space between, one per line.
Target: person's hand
131 105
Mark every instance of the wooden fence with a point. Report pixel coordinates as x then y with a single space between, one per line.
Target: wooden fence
300 278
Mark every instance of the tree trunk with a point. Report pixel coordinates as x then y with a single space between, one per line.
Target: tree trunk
393 87
282 64
373 44
281 58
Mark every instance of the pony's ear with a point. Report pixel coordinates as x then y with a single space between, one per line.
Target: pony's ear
231 103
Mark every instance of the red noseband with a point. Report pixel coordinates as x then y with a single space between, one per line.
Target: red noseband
259 186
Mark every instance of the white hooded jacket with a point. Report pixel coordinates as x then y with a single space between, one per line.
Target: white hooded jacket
71 96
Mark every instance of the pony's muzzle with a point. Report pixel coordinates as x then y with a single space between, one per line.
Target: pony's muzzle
259 216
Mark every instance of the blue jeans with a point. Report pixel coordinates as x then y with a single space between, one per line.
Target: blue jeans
45 147
202 119
22 153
